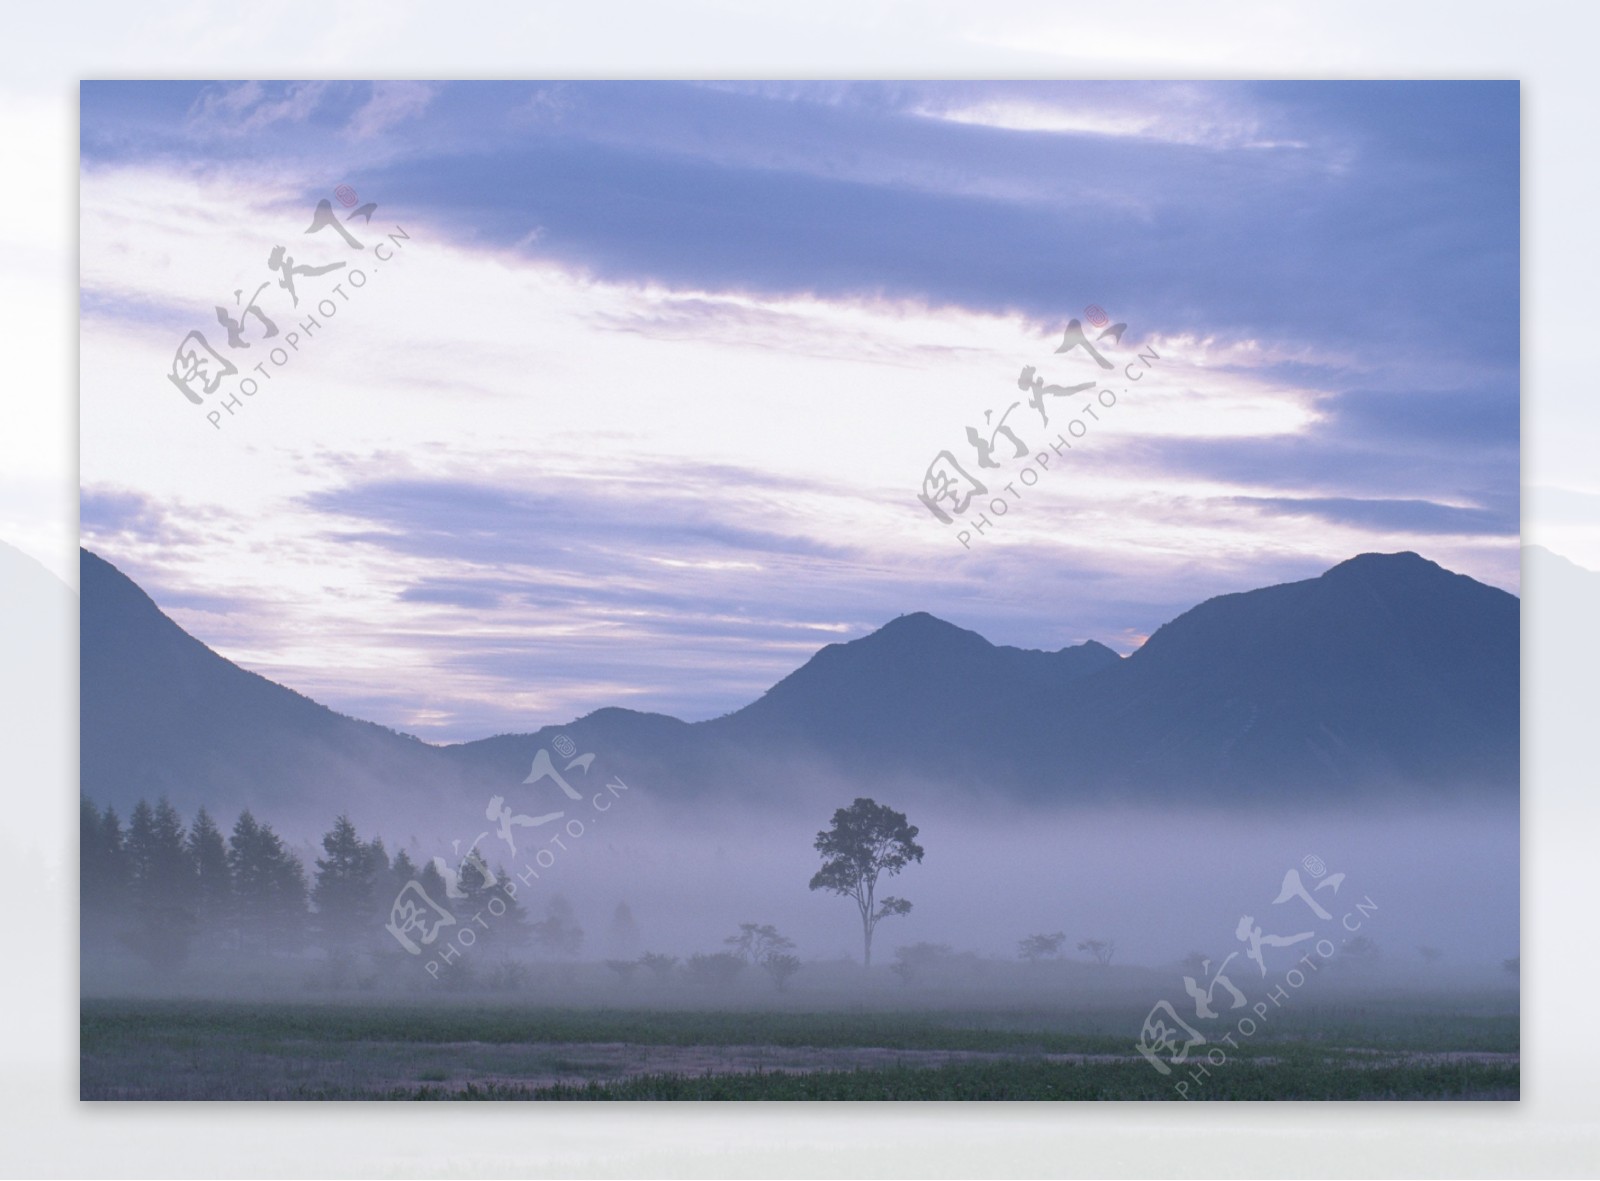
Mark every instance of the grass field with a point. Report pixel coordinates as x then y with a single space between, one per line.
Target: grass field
1394 1048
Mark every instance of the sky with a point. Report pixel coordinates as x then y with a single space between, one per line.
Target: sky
639 387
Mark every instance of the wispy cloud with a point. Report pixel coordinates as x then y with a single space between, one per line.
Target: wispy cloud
240 109
1425 517
1208 116
391 104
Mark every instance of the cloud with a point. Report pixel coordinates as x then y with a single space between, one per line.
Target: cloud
1215 117
247 107
391 104
1402 204
113 516
1401 516
663 513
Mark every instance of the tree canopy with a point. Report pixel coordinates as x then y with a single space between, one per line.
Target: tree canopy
865 841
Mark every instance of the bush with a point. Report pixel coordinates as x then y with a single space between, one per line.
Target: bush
916 961
507 976
1041 947
717 970
659 966
780 966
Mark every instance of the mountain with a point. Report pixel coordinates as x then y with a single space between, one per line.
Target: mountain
162 714
911 701
1386 674
1386 671
911 695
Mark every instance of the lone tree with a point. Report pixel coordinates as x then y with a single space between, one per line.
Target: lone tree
866 840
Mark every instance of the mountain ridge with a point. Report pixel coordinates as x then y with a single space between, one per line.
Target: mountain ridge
1386 673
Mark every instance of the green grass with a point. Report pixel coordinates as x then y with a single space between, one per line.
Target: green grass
106 1023
433 1049
1395 1026
1025 1080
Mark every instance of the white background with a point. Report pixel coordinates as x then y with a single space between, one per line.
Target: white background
1550 47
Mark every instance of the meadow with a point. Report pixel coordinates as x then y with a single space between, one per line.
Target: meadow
879 1045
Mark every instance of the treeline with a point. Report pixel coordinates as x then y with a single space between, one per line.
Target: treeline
173 893
179 895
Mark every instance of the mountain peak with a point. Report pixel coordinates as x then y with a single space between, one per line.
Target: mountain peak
1402 564
922 626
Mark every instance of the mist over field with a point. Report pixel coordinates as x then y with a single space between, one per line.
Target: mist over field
1159 884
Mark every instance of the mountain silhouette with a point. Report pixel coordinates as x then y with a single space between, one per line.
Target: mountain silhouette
911 694
162 714
1388 670
1386 675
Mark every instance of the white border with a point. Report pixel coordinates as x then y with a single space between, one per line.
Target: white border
1548 46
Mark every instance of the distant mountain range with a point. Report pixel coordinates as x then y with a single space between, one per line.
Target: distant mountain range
1386 675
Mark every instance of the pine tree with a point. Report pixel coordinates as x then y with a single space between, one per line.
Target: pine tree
494 913
269 888
345 892
103 874
114 848
290 894
162 886
213 892
432 882
382 871
141 838
516 926
250 878
498 921
401 870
